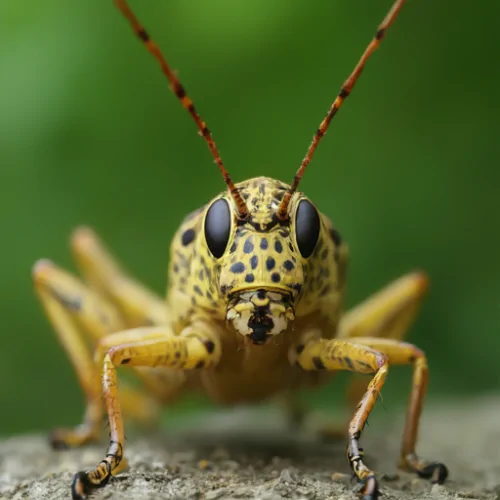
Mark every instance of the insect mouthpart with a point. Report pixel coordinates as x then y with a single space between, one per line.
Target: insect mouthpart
261 324
260 314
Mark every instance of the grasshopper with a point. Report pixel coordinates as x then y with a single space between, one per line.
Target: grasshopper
254 309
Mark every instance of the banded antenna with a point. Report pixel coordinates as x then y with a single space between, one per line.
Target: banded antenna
345 90
180 92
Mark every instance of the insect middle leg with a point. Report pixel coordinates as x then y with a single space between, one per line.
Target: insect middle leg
389 313
197 347
337 354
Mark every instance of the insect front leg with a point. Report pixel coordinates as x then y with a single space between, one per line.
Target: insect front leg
402 353
79 314
389 313
344 355
334 355
197 347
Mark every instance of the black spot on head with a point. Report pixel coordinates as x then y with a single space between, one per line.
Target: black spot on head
335 236
176 268
262 188
290 246
125 361
288 265
261 294
249 278
297 287
284 233
318 364
264 244
270 263
197 289
300 348
224 289
325 290
275 277
209 346
255 201
209 295
201 275
254 261
233 248
248 246
193 301
245 195
324 254
238 267
177 355
188 236
200 364
278 246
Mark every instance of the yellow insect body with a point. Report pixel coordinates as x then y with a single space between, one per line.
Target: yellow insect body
261 275
254 310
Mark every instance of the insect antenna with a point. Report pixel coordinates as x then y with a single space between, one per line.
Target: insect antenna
345 90
180 92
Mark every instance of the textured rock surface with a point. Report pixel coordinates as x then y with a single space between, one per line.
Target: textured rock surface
244 455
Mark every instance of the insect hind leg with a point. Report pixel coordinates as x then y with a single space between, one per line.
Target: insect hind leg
389 313
138 305
402 353
81 318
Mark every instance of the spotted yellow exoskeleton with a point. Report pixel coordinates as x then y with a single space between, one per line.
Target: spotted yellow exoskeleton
254 310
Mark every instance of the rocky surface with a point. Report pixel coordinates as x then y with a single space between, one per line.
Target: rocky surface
251 455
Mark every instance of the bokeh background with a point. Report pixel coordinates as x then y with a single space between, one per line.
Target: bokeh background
90 134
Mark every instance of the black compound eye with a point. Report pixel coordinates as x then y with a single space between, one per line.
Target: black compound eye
306 228
218 227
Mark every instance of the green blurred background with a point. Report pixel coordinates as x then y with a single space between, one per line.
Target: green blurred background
90 134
